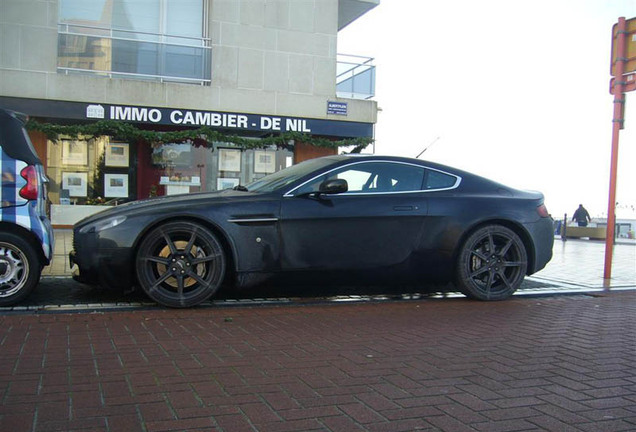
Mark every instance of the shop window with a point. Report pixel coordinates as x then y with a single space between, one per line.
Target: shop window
93 171
140 39
182 168
103 171
86 174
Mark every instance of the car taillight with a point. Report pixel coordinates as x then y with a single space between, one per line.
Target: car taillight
30 190
543 211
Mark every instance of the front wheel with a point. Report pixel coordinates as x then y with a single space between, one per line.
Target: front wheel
20 269
180 264
492 263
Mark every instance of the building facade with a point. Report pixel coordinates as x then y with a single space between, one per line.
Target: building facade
237 71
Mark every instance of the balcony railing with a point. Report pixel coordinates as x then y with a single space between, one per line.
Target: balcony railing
355 77
139 55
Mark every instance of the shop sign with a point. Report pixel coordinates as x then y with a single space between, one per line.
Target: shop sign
237 121
181 117
198 118
193 118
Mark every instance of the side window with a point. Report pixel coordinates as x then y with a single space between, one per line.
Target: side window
358 179
439 180
406 178
373 177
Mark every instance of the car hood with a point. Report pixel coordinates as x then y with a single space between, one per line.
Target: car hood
173 202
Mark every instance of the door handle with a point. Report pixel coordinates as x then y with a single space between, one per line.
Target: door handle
404 208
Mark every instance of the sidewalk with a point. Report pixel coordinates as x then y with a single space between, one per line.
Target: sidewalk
581 263
63 245
560 363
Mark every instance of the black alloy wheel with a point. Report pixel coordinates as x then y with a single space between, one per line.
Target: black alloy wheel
20 269
180 264
492 263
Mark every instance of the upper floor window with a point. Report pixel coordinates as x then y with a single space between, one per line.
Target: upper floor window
144 39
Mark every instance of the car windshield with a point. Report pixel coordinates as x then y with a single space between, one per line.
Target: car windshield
287 176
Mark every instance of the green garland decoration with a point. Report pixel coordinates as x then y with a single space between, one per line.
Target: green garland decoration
204 136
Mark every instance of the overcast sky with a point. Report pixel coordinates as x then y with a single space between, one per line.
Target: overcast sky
517 91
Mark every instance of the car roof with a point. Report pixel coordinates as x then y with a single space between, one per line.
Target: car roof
14 140
369 157
475 180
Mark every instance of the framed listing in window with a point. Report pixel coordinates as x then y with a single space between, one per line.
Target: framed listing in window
116 185
74 152
264 162
171 154
229 160
117 155
226 183
76 183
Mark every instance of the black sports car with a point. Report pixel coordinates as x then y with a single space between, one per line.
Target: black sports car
379 219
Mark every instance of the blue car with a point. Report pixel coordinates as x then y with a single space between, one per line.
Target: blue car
26 236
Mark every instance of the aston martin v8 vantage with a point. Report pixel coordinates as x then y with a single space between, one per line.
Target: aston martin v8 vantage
366 218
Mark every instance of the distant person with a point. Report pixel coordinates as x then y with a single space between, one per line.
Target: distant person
581 216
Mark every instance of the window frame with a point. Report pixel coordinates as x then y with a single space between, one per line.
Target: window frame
162 42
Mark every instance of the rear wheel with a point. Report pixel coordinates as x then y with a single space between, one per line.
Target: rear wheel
492 263
19 269
180 264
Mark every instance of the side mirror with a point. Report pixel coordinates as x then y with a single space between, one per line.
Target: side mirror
333 186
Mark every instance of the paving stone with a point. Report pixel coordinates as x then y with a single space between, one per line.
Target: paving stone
306 367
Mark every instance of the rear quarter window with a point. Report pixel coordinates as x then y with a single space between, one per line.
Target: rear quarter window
439 180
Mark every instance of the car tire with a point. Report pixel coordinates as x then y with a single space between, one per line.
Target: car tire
180 264
20 269
491 264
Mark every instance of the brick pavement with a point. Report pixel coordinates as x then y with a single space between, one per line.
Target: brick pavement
557 363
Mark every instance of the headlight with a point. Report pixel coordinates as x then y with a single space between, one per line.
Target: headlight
103 225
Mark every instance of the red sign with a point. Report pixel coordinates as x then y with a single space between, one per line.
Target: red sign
629 83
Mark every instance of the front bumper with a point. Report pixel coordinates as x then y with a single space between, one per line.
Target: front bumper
75 270
110 268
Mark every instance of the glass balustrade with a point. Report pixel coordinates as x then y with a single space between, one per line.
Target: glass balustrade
355 77
140 55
